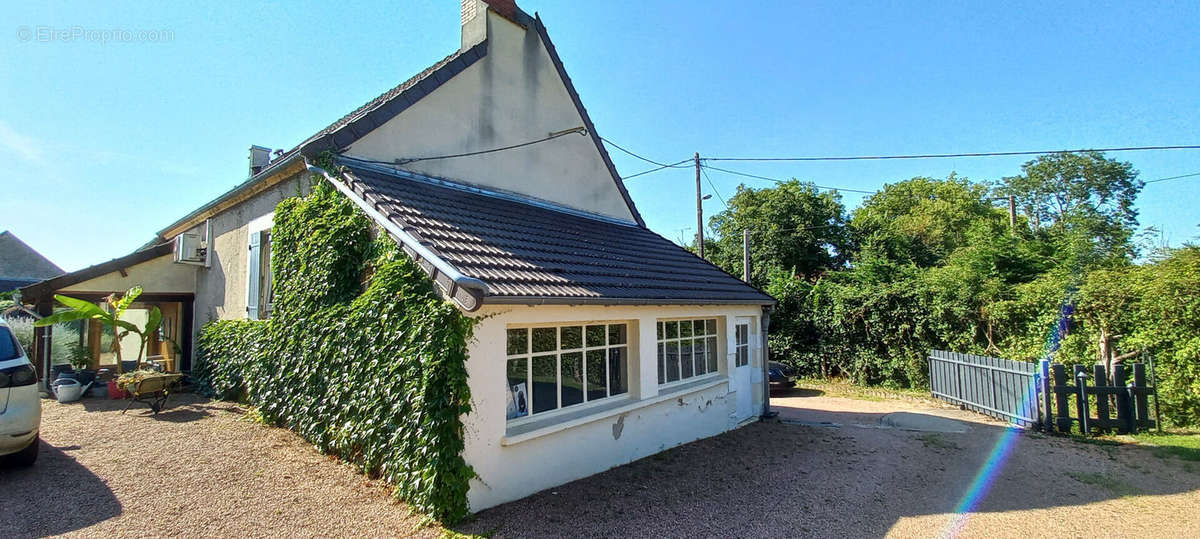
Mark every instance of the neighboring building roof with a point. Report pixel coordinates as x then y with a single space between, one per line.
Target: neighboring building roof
21 263
45 289
534 252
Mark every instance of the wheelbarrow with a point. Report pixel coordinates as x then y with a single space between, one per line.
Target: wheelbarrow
151 390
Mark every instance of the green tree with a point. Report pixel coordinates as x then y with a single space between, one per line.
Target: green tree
1082 202
794 228
923 220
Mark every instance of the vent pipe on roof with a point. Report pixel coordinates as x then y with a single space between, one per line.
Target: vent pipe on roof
260 157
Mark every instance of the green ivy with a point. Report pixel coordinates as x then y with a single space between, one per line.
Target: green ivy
361 357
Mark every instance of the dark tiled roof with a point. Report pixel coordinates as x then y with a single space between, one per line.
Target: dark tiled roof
526 251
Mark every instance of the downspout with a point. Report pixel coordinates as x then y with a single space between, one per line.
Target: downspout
404 237
766 370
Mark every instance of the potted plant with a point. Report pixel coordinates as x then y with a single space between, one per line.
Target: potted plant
81 359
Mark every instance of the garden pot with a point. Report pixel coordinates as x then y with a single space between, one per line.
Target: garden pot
85 376
115 391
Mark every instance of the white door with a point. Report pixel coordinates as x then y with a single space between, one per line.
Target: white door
744 371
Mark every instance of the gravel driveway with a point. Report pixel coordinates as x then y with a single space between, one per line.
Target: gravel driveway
197 469
201 469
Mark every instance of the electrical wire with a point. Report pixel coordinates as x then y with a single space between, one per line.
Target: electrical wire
646 159
672 165
950 155
714 188
755 176
1194 174
580 130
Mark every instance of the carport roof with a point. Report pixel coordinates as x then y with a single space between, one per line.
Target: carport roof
44 290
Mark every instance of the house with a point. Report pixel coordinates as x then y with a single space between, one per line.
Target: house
599 342
21 265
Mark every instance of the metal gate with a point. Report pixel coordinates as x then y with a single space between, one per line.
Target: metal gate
1001 388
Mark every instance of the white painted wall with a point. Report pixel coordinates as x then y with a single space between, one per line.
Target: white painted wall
510 468
157 275
512 95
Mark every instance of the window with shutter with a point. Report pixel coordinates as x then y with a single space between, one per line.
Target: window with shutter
253 283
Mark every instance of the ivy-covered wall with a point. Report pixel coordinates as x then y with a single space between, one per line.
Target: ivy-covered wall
361 357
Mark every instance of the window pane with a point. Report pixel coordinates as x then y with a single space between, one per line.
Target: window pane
710 348
742 356
618 370
572 378
545 383
699 328
672 330
571 337
698 351
662 379
595 375
545 339
518 341
672 365
685 328
616 334
685 356
660 331
518 391
710 327
595 336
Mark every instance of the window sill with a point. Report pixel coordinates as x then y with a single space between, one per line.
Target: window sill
551 425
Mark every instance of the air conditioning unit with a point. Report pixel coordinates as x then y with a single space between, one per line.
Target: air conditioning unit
189 249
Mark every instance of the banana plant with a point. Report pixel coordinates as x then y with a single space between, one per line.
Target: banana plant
117 305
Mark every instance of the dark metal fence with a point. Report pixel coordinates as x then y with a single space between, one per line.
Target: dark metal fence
1001 388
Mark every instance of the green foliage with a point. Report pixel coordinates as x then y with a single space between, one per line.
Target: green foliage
361 355
78 309
928 263
794 227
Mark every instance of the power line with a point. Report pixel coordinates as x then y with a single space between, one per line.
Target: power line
949 155
672 165
1174 177
646 159
714 188
755 176
402 161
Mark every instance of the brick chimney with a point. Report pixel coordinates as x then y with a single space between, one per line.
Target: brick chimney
474 18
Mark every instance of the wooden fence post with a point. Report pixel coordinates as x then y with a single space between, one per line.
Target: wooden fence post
1140 397
1103 417
1061 387
1124 404
1044 369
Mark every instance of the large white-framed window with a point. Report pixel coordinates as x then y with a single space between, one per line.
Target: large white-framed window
687 348
554 367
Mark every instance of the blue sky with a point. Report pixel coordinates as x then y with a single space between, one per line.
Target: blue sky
106 143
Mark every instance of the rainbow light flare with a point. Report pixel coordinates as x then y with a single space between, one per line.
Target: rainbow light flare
983 480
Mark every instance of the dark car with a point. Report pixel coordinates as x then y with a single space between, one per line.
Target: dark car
780 375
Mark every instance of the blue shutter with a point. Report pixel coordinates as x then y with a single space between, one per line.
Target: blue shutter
254 264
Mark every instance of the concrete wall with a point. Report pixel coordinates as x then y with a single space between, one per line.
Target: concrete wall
221 289
512 95
515 462
159 276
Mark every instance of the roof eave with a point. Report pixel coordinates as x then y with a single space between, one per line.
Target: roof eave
565 300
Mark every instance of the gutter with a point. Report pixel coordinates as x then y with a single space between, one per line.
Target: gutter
475 288
566 300
766 354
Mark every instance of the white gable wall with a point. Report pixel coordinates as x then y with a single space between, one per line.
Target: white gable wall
512 465
512 95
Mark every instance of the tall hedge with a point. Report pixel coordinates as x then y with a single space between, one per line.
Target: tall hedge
361 356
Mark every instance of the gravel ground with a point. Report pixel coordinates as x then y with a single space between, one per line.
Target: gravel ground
201 469
778 479
197 469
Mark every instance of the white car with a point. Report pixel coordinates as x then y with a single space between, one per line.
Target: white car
20 404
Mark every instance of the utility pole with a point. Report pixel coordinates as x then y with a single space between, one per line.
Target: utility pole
699 211
1012 214
746 255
